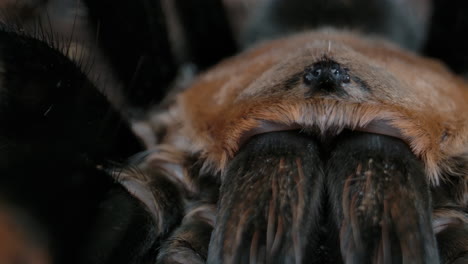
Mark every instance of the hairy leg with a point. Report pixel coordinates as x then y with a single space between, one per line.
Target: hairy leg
270 199
381 201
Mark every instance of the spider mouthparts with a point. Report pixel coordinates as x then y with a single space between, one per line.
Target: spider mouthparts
379 127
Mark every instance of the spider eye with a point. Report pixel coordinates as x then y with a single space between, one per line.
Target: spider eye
346 78
326 75
326 71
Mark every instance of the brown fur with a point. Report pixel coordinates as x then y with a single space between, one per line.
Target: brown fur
416 96
391 92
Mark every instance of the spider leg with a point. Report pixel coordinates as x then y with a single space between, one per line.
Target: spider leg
58 137
270 199
450 224
48 104
453 244
452 238
189 242
381 201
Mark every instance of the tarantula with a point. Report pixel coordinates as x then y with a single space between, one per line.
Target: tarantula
322 146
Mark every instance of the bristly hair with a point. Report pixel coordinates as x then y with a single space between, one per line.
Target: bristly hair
78 44
44 32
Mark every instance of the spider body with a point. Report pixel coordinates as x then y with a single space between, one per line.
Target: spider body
327 146
226 116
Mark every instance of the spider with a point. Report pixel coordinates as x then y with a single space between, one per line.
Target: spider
328 136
